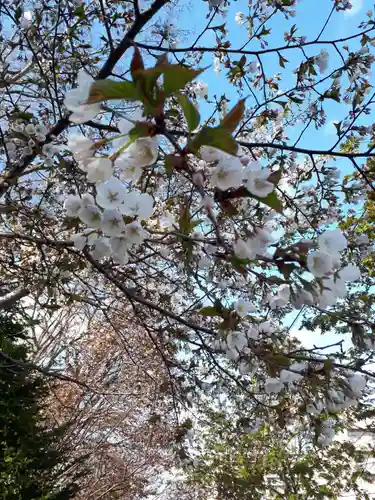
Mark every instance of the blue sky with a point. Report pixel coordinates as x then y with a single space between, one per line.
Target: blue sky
311 15
309 23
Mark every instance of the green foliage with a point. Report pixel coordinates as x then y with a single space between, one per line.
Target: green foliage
190 111
218 137
271 463
31 462
103 90
271 201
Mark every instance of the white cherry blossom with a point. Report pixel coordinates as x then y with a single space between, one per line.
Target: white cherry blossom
281 298
30 129
290 377
327 298
302 297
125 125
111 193
252 333
319 263
200 89
350 273
240 18
258 184
243 308
242 249
119 247
91 215
273 386
236 341
87 199
362 239
112 222
40 129
99 170
76 99
210 154
129 171
357 383
143 151
137 204
101 249
266 328
25 21
79 241
322 60
253 66
72 205
332 241
217 65
82 149
49 149
299 367
227 174
135 233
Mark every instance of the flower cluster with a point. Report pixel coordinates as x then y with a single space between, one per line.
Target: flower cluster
25 137
107 231
231 171
323 262
113 217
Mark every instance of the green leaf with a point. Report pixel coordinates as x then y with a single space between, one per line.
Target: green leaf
239 264
287 269
272 201
103 90
275 177
80 12
328 365
169 165
218 137
195 223
333 94
146 81
142 129
338 127
280 359
172 162
173 113
282 61
302 468
234 117
20 115
177 76
191 113
209 311
297 100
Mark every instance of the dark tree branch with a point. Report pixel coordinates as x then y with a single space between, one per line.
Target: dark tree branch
253 52
11 298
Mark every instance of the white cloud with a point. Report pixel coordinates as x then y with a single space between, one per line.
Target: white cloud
357 5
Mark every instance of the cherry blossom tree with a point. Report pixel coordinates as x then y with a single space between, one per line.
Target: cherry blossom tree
120 418
207 216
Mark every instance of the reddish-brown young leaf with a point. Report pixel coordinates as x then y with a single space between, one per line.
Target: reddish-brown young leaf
136 63
233 118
